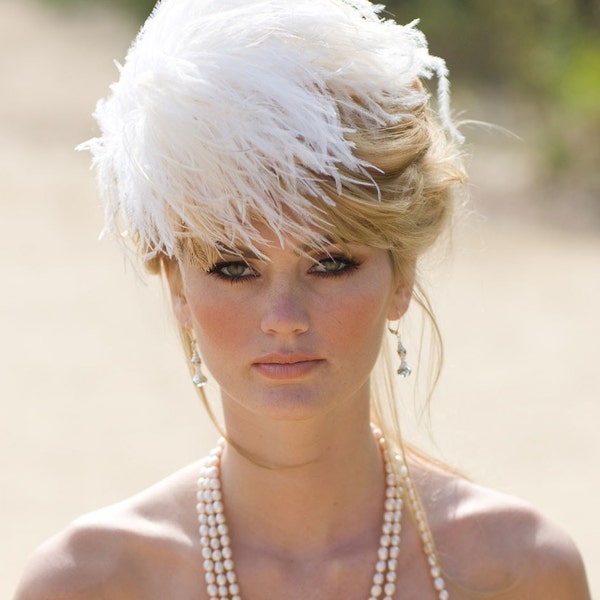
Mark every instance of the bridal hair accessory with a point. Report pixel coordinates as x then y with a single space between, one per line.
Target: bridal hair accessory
228 109
198 377
404 370
219 569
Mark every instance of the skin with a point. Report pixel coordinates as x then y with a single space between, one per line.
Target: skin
304 513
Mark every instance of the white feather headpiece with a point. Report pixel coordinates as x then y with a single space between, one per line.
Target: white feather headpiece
231 108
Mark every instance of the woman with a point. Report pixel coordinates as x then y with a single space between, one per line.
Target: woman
278 163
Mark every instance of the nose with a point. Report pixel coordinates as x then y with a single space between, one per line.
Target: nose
285 310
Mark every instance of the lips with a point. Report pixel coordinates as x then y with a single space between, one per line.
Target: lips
281 365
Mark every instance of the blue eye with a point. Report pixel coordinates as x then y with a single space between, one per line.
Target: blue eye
232 270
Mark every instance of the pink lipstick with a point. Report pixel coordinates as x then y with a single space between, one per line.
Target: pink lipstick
293 365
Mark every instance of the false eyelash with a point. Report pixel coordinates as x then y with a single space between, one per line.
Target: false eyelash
350 265
216 271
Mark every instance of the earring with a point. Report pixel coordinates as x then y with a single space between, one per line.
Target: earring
198 378
404 370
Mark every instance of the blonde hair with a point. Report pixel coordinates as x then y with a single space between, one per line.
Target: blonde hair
309 116
418 171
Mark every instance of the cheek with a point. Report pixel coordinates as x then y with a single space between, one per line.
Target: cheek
358 318
219 324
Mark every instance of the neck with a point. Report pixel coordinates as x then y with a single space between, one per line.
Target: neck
299 487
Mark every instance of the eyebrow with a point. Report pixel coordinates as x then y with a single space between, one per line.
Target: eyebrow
244 252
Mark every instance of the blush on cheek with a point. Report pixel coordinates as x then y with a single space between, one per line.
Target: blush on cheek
217 326
359 315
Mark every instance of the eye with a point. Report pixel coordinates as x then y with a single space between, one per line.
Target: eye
334 265
232 270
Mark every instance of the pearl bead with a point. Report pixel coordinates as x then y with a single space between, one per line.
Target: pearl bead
389 589
218 563
208 565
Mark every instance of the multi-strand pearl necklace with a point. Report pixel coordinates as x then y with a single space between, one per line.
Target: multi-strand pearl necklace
220 576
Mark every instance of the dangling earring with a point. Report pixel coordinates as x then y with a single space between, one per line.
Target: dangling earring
198 378
404 370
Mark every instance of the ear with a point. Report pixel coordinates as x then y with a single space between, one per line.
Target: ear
402 295
178 298
400 301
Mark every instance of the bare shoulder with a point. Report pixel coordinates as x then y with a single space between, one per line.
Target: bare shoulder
495 543
112 552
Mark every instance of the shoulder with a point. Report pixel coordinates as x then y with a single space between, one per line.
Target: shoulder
80 562
493 542
111 552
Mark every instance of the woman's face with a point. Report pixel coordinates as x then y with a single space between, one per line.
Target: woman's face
293 335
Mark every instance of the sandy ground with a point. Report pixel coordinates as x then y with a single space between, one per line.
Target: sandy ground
96 402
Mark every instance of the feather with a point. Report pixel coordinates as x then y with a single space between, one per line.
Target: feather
225 109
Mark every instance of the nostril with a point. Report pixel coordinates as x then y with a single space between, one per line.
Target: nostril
285 314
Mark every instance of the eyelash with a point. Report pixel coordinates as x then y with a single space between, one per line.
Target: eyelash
217 271
348 266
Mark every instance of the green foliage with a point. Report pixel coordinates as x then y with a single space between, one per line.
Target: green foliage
140 9
549 49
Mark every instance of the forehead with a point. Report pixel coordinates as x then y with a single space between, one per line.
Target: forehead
264 243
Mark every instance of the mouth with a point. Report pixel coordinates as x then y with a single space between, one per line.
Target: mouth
287 366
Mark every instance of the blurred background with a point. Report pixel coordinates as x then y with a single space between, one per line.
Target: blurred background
95 398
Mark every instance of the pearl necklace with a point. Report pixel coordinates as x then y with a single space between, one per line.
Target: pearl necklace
219 571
